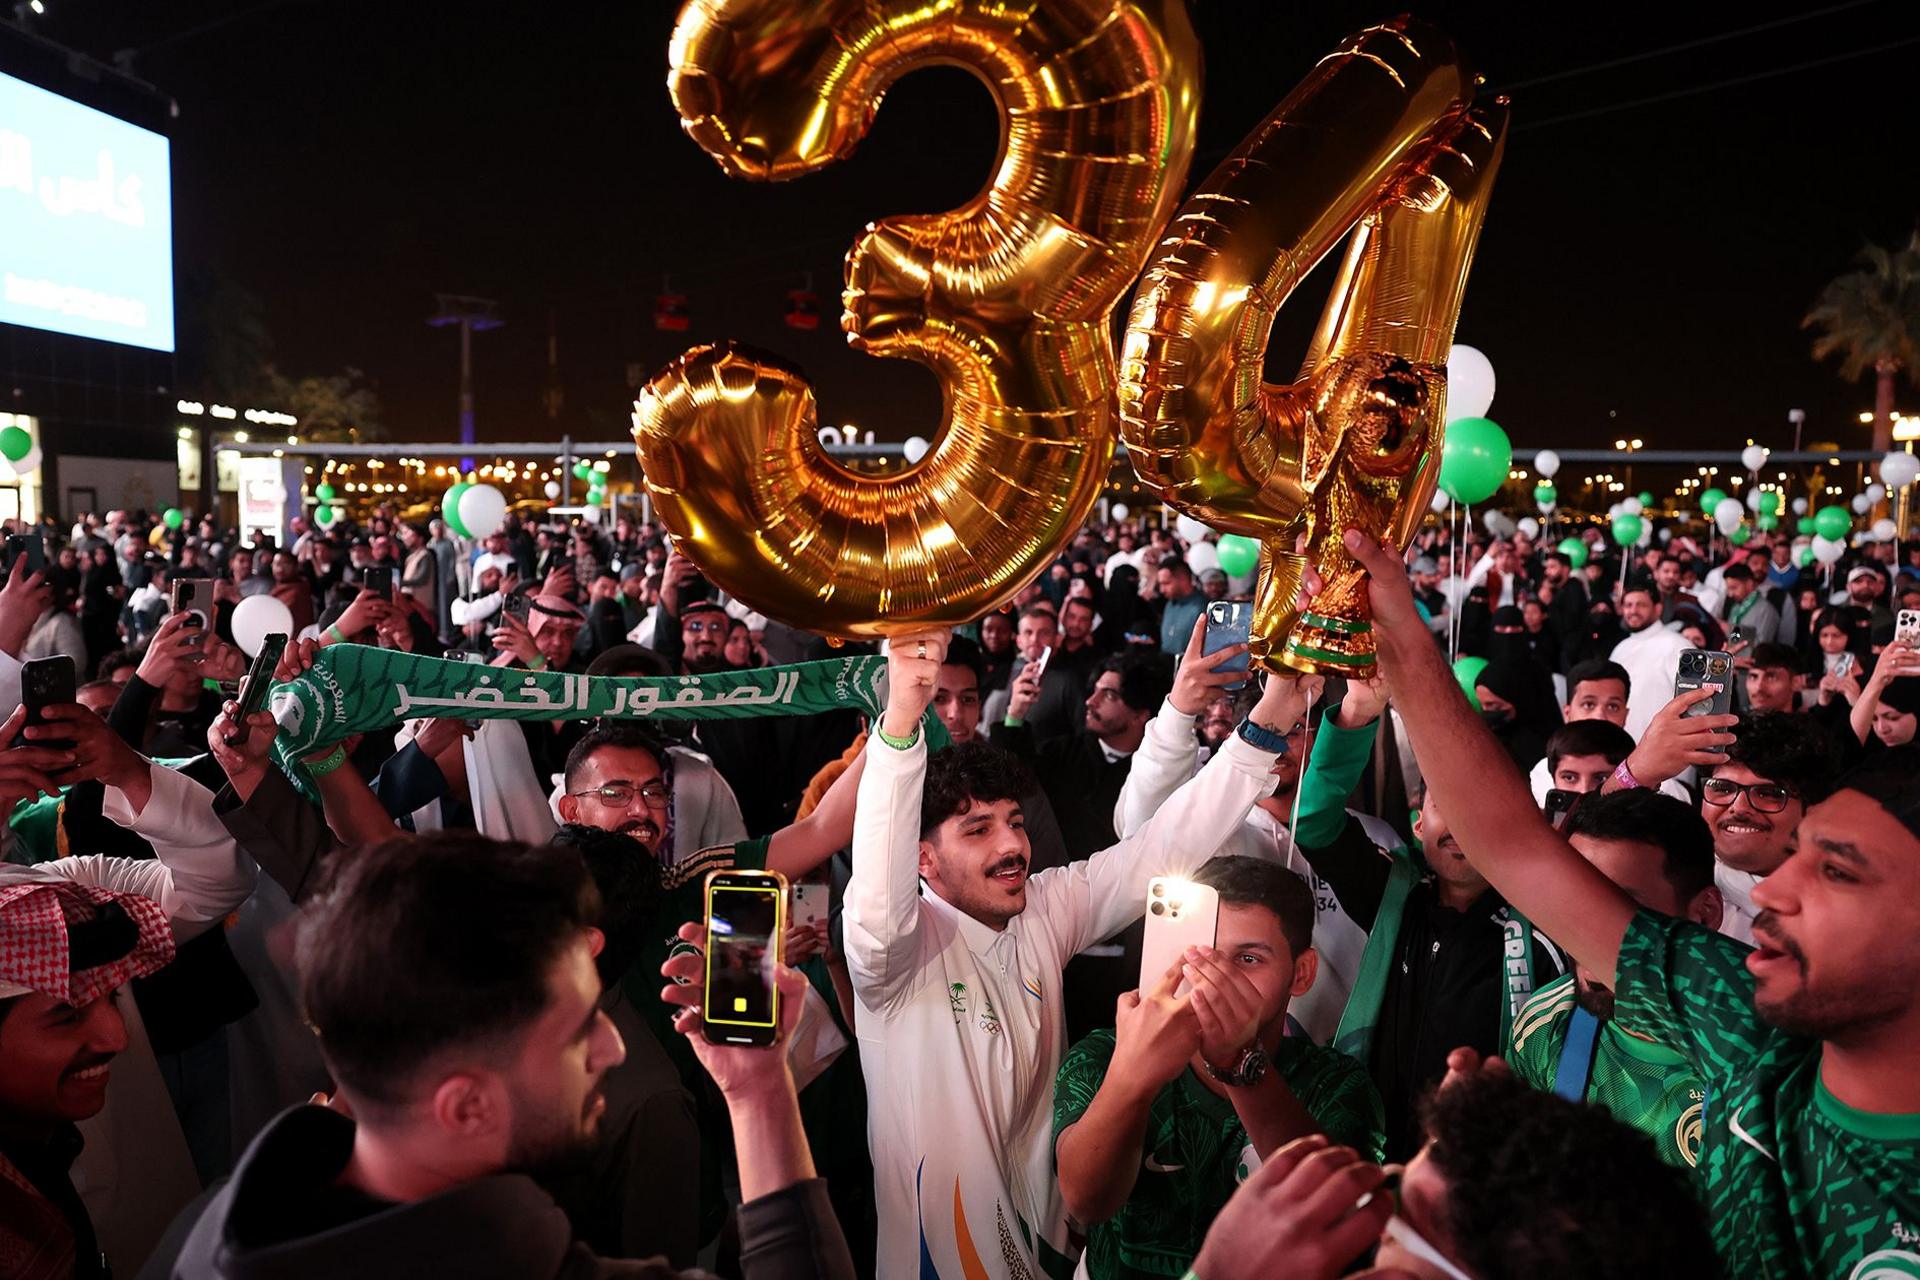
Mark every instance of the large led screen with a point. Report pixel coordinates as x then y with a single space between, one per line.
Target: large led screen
86 221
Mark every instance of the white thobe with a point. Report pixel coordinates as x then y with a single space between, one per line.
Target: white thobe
1652 659
961 1026
1736 895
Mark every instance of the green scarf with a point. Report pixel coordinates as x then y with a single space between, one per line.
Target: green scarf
357 689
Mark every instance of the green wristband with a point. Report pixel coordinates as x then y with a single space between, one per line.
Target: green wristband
321 768
539 662
898 744
333 629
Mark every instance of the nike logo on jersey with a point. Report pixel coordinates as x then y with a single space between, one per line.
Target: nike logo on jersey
1153 1165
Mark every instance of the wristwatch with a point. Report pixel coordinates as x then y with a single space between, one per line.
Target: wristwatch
1263 738
1250 1068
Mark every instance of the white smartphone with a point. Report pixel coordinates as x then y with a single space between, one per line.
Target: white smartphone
809 905
1906 628
1039 664
1844 667
1180 914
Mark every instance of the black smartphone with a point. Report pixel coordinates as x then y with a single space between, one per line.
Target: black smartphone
518 605
1699 668
1559 805
746 921
258 682
1229 622
48 682
194 597
378 577
30 545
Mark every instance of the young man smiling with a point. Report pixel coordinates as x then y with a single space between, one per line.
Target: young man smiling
959 986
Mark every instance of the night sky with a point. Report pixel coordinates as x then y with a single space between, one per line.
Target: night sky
347 160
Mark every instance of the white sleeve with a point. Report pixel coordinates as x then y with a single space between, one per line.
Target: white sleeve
881 909
1167 758
1478 574
1086 901
199 874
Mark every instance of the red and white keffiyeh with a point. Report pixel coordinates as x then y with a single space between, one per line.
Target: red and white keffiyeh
34 915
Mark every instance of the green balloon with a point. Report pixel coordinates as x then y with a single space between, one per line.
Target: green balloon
1766 523
1239 555
1475 459
450 508
1710 501
1545 494
1804 525
1646 497
324 493
1575 550
1803 557
326 516
173 517
15 443
1769 503
1833 523
583 471
1739 536
1627 529
1467 671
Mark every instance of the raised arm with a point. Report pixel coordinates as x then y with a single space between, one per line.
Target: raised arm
798 849
881 915
1486 801
1899 659
1168 755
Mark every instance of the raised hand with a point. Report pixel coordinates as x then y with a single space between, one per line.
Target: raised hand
1305 1214
1155 1035
1200 679
1674 739
735 1068
913 669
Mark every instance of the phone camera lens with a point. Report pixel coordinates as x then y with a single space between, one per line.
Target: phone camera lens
1159 891
1158 908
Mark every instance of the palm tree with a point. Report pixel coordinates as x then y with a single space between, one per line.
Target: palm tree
1871 318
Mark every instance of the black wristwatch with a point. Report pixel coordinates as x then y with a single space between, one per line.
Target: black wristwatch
1250 1068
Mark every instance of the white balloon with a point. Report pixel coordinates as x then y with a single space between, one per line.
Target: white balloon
1753 457
1876 491
1753 498
1862 504
1529 526
1632 506
1897 469
591 515
1547 463
916 448
483 509
1548 508
1646 534
257 617
1666 536
1885 530
1202 556
1617 509
1799 506
1728 515
1441 501
1120 511
1469 383
1826 550
553 490
1190 530
1498 524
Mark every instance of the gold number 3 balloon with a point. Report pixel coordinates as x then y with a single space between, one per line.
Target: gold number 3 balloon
1380 140
1008 299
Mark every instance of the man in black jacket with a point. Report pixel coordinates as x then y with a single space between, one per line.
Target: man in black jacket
451 981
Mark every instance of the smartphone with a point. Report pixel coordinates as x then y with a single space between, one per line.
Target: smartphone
1736 639
1229 622
1844 667
1906 628
258 683
193 597
48 682
1559 805
1039 664
378 577
746 913
1701 667
30 545
809 905
1180 914
517 605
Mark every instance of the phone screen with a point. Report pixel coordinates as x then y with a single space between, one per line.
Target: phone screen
743 922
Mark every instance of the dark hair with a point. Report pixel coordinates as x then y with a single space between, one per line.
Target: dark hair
962 652
1789 748
1176 562
1588 738
1145 678
1255 882
1539 1186
967 773
627 659
1562 557
424 944
627 877
117 660
1645 816
623 734
1773 656
1595 670
1644 587
1736 572
1083 601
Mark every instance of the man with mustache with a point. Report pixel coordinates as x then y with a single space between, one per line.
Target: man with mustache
956 958
1566 1039
1806 1046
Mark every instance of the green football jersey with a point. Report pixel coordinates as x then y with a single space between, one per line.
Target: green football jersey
1197 1153
1797 1183
1645 1085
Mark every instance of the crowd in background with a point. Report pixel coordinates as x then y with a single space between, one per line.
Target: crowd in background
435 1003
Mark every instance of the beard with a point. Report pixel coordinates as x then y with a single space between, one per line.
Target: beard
549 1147
708 664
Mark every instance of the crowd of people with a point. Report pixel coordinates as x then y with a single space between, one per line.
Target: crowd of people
1523 964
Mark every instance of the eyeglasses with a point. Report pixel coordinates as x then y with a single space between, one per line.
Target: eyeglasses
618 795
1767 797
715 627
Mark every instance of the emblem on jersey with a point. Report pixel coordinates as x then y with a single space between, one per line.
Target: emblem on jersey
1032 987
1888 1264
989 1020
1687 1132
681 947
957 1001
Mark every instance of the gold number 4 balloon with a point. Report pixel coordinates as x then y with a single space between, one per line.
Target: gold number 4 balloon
1382 141
1009 299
